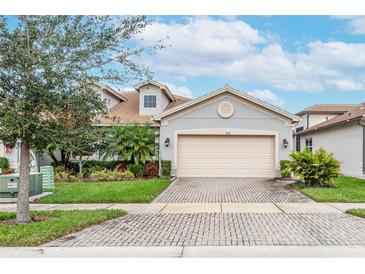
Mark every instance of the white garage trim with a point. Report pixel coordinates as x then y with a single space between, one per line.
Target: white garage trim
227 132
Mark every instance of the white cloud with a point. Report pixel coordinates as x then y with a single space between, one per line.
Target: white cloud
180 90
233 50
346 84
355 24
267 96
124 89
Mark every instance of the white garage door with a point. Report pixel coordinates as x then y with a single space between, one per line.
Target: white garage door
225 156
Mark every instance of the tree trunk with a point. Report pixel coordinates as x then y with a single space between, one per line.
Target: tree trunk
55 160
22 214
62 152
80 164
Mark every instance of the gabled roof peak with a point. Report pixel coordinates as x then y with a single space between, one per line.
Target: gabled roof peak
111 91
231 90
163 87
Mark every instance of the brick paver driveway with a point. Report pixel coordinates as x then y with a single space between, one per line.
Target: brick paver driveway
229 190
224 228
176 229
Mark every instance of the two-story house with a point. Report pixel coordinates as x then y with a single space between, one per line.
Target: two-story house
224 133
137 106
339 129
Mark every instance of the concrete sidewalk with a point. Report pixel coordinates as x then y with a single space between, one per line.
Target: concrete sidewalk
186 252
201 207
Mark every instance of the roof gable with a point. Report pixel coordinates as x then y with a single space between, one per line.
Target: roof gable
127 112
109 90
354 113
227 89
165 89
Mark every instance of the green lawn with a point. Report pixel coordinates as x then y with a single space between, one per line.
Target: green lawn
359 212
108 192
59 224
346 190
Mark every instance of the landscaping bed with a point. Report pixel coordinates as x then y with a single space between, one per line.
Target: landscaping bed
346 190
359 212
143 191
49 225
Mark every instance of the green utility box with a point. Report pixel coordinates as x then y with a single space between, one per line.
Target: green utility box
9 185
47 177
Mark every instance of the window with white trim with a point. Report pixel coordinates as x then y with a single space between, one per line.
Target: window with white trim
309 143
149 101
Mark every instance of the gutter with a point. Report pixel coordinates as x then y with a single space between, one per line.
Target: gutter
315 129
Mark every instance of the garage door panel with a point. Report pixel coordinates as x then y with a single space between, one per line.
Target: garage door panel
225 156
223 173
218 157
224 162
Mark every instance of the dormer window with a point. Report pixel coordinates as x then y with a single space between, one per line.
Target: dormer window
149 101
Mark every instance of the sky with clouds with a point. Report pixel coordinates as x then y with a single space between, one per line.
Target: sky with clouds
289 61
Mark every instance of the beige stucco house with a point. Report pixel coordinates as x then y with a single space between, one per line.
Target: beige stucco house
339 129
225 133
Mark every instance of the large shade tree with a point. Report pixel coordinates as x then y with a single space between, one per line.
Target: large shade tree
46 65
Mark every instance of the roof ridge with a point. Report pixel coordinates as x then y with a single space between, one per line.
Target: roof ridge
333 105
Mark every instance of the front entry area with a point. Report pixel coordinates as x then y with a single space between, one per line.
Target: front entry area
226 156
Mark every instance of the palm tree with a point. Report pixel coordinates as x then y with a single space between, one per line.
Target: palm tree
143 144
134 143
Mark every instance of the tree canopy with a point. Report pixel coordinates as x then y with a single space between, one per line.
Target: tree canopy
46 66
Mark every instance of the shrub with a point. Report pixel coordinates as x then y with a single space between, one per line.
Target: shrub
150 170
58 169
90 165
65 176
315 169
71 166
4 163
284 169
165 168
8 171
100 165
121 167
136 169
107 175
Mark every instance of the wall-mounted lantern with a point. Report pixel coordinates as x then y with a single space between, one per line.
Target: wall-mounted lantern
285 143
167 142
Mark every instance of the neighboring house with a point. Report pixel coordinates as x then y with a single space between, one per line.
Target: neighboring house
140 105
13 155
339 129
133 107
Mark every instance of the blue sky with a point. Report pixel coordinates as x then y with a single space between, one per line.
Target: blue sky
289 61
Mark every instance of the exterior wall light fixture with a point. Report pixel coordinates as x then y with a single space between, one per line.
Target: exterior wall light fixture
285 143
167 142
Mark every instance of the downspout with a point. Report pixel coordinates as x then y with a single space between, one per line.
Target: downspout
362 123
363 148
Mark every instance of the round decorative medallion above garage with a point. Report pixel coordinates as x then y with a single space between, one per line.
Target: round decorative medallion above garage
225 109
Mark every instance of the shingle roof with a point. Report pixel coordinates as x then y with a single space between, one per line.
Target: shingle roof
328 108
109 90
353 112
128 111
